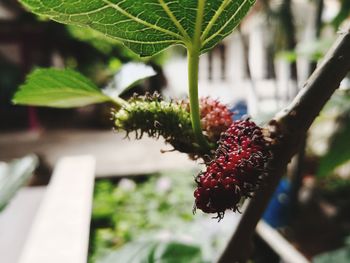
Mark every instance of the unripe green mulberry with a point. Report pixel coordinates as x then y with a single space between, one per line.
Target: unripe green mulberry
157 118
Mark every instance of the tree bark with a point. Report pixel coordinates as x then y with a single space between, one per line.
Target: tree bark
286 131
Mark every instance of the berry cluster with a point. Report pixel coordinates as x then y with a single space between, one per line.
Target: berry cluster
171 120
236 170
215 117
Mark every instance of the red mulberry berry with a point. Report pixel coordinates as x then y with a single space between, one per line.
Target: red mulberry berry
235 172
215 117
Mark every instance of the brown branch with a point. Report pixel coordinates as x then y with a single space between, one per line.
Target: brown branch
287 129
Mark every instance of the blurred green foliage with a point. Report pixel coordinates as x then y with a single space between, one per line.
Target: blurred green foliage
313 50
339 147
338 153
344 13
125 211
154 212
156 251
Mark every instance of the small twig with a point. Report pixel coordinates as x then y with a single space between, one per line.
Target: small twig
287 129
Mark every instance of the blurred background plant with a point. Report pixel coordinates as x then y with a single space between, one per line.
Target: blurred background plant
150 212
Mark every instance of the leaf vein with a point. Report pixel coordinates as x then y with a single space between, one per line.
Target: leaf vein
174 19
139 20
214 18
119 38
217 33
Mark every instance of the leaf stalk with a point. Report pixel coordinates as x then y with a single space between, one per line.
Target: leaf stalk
193 52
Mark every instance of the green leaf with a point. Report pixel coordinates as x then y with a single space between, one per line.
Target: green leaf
13 175
148 26
155 252
58 88
339 150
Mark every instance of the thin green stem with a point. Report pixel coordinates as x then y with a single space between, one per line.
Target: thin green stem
193 65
